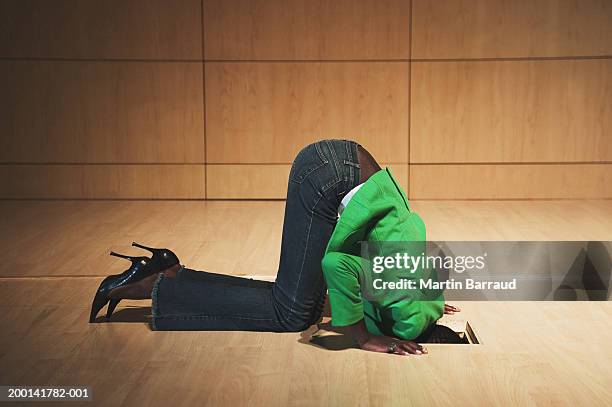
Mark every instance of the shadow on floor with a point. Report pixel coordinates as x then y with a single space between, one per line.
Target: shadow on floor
324 335
129 314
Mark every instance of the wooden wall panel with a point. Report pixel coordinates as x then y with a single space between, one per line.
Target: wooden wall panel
132 29
263 181
102 181
241 181
266 112
124 93
545 181
511 111
501 28
122 112
307 29
400 172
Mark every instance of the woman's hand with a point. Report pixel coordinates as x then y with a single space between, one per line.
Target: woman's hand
387 344
450 309
384 344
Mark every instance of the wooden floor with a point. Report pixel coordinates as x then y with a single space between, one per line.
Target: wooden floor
54 253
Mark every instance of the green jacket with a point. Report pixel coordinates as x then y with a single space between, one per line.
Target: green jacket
379 212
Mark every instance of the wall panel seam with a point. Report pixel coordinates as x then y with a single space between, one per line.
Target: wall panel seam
103 199
289 163
511 199
135 60
306 61
410 39
283 199
202 38
514 163
95 163
509 59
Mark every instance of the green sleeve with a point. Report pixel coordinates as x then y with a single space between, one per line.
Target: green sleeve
341 273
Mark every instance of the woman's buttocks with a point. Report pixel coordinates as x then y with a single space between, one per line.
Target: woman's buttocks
329 166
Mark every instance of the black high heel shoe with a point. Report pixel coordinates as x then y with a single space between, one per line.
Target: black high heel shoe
163 258
141 267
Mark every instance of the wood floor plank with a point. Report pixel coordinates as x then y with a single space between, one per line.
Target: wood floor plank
532 353
72 238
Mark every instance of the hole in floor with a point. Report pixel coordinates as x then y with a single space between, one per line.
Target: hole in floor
459 332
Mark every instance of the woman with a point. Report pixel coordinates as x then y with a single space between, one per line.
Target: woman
322 175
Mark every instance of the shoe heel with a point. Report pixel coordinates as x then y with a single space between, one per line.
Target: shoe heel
99 301
111 307
151 249
122 256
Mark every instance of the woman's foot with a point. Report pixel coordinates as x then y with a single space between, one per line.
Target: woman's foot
141 290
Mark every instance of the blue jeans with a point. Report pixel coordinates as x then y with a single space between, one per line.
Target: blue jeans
321 174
